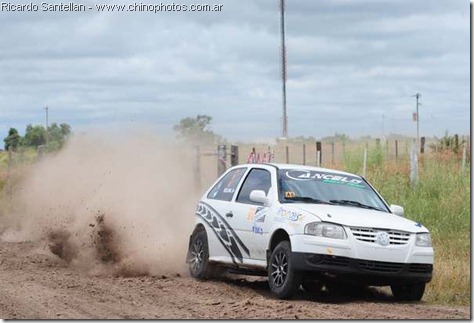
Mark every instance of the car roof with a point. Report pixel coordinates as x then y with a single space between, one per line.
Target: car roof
304 167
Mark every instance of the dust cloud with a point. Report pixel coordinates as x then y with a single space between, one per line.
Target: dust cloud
114 207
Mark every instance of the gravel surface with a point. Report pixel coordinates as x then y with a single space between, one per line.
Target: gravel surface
35 284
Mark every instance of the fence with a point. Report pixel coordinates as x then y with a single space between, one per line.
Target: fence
329 154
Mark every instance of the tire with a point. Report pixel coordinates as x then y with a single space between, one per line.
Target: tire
281 277
408 293
199 266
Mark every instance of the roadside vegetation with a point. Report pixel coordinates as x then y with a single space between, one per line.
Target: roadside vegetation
440 200
20 152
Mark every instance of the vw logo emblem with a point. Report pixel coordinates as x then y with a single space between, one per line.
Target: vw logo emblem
382 238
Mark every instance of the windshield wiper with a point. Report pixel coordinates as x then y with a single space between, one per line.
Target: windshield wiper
355 203
306 199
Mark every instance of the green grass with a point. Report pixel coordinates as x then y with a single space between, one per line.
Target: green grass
441 202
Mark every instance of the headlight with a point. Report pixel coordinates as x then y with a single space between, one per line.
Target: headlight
327 230
423 240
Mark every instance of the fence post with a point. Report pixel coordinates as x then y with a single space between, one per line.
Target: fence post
396 150
234 155
332 153
287 155
413 164
463 165
221 159
422 147
304 154
319 154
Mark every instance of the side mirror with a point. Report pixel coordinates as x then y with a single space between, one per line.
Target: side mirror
397 210
259 196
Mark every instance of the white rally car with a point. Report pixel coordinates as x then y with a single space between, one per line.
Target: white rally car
308 226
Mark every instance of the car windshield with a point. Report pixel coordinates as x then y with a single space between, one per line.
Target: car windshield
323 187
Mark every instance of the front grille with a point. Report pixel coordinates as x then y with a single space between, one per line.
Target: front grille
368 235
420 268
378 266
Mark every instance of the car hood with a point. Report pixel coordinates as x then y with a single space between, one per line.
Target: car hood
359 217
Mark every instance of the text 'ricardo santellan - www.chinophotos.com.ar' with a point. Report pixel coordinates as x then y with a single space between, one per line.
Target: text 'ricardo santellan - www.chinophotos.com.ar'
129 7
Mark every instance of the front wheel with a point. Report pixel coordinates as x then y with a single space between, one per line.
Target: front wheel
199 266
281 277
409 292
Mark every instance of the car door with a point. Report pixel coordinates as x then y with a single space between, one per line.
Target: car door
215 212
249 217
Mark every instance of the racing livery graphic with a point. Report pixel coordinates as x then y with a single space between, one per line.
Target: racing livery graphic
223 231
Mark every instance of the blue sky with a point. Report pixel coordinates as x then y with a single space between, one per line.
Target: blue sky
353 67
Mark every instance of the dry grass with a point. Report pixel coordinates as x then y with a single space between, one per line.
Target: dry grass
451 282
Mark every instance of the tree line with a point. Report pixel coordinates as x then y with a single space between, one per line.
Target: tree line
37 135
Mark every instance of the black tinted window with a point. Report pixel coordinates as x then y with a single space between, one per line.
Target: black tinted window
258 179
225 188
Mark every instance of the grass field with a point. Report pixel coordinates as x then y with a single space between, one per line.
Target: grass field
440 201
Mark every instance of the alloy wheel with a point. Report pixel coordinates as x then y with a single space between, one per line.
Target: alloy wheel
279 269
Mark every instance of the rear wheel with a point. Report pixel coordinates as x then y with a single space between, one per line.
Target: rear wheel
199 266
281 277
409 292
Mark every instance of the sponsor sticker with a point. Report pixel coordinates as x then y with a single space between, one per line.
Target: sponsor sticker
257 229
306 175
289 194
290 215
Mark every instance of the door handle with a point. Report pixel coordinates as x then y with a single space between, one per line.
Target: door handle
229 214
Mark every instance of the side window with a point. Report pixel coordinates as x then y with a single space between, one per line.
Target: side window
225 188
257 179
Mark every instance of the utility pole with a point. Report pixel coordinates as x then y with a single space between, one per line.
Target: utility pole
418 96
46 134
283 68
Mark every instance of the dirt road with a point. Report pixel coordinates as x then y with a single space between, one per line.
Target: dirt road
35 284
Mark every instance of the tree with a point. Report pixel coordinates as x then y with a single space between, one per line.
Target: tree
57 135
13 140
65 129
34 136
196 129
